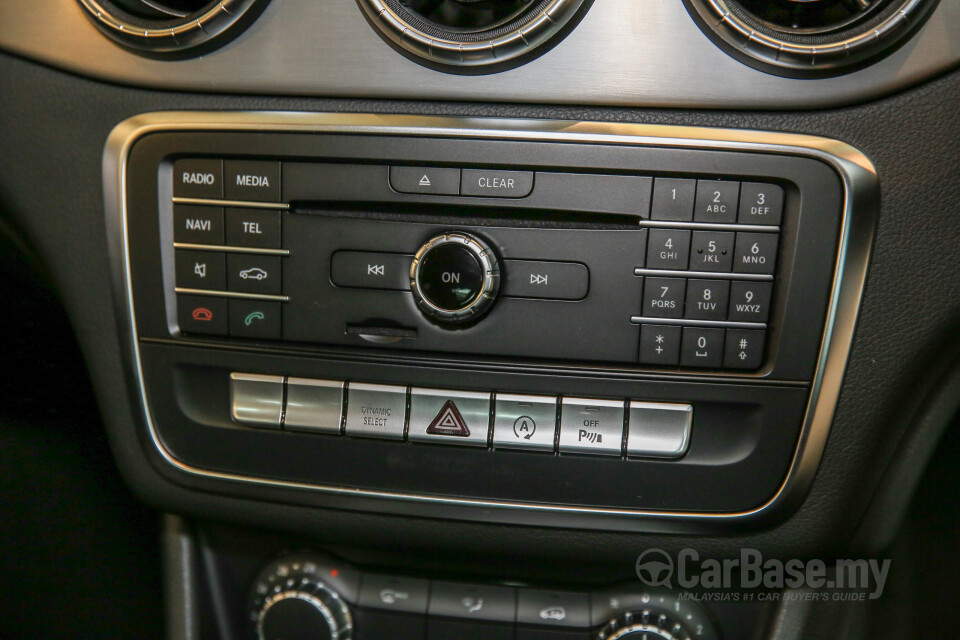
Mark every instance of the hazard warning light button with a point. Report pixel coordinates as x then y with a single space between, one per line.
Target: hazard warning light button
449 417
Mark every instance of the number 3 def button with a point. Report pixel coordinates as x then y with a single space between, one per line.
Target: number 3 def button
255 319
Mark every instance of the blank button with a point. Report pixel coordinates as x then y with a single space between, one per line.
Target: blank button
659 430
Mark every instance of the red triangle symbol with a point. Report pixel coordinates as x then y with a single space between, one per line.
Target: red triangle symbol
449 422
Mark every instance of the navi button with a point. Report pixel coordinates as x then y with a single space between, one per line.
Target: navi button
450 417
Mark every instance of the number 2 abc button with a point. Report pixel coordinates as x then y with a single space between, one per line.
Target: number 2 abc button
591 426
525 422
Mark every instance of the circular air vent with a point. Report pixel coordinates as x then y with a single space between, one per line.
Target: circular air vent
472 36
167 26
809 37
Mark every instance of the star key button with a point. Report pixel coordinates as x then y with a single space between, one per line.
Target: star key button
660 344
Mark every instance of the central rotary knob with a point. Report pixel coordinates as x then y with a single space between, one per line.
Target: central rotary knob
455 277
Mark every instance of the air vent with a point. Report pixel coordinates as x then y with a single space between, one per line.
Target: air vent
169 26
809 37
473 36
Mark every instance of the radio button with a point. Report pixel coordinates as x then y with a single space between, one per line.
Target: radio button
663 297
760 203
376 410
371 270
707 299
524 422
716 201
200 270
660 344
591 426
673 199
253 228
668 249
496 184
545 280
197 225
702 348
449 417
744 349
436 181
755 253
248 180
750 301
253 274
711 251
198 178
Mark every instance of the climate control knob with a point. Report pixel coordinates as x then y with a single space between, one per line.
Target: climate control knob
455 278
291 600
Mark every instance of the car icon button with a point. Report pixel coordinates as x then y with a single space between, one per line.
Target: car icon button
254 274
553 608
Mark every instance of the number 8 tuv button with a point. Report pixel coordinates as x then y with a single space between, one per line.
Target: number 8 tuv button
591 426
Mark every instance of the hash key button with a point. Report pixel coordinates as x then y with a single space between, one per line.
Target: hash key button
744 349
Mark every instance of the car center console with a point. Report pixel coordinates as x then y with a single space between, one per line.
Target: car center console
560 323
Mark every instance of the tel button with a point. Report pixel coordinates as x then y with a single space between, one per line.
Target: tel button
197 178
496 184
253 228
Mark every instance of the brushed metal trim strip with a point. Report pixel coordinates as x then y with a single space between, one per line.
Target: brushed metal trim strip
245 204
700 275
709 226
857 231
232 294
227 249
686 322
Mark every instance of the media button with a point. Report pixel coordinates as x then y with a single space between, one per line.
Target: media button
371 270
437 181
257 181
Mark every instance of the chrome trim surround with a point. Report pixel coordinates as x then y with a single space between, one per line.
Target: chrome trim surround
449 51
709 226
177 34
829 54
228 249
244 204
853 256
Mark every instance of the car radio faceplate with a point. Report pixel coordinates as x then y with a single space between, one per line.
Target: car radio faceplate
614 325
